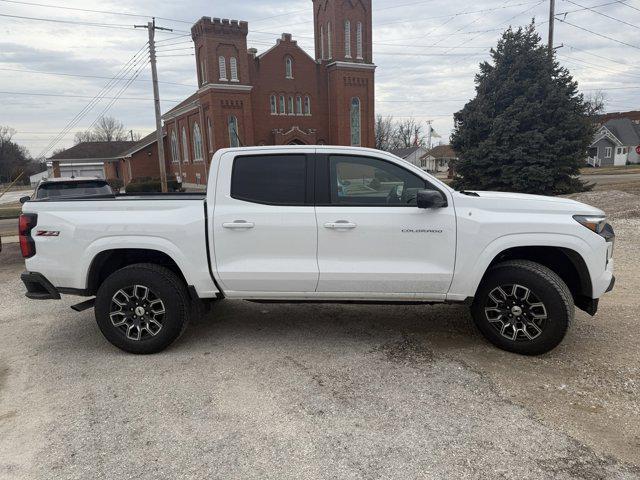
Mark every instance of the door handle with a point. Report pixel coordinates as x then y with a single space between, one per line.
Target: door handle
238 225
340 225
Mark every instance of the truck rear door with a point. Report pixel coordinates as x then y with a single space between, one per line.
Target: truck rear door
264 224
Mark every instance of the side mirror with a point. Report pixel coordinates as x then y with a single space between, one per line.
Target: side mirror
431 199
24 199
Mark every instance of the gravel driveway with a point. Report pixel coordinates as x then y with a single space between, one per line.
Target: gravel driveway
299 391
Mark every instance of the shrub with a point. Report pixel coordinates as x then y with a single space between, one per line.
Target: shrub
148 185
116 184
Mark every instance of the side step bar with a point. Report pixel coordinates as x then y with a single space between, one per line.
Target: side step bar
86 305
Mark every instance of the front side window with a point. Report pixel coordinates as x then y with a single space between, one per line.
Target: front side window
175 152
608 152
185 146
273 103
288 67
329 46
234 136
369 181
234 69
355 122
222 66
283 108
270 179
197 142
321 42
359 40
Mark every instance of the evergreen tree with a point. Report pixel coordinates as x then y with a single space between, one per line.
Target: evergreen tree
528 128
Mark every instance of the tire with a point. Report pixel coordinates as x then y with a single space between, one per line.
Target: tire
523 307
156 295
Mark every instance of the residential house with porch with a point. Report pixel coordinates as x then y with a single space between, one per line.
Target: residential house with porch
616 143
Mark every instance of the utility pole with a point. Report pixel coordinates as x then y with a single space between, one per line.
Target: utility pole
131 133
552 18
151 27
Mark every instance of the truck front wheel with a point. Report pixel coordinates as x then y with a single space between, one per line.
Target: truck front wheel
142 308
523 307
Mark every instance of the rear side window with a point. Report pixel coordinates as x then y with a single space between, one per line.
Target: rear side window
270 179
73 189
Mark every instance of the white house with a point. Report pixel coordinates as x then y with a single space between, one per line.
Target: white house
412 154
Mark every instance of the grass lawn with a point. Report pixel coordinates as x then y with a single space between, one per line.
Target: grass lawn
611 170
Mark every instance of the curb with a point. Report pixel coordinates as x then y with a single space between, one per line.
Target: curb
11 239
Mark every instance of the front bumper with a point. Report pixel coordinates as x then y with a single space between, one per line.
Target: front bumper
38 287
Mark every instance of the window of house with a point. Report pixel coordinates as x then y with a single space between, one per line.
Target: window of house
608 152
210 134
625 150
234 135
618 150
288 67
283 108
359 40
198 179
307 105
273 104
347 39
322 42
234 69
185 146
222 65
175 155
329 49
369 181
291 110
197 143
355 122
299 105
270 179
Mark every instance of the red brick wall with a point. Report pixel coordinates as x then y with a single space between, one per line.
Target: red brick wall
330 86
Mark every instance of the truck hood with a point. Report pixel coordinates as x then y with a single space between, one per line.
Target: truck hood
527 202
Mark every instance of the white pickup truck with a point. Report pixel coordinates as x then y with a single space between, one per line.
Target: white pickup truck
320 224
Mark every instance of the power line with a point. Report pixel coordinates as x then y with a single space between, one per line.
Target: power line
65 95
599 34
604 14
71 22
104 91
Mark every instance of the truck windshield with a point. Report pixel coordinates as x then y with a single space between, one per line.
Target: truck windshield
73 189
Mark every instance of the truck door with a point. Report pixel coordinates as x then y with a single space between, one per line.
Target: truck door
372 237
264 225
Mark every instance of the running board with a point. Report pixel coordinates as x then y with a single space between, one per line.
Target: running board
86 305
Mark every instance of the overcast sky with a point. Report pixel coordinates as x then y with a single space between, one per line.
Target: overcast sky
427 54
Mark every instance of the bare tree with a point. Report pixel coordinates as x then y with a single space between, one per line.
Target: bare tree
409 133
596 103
108 129
384 132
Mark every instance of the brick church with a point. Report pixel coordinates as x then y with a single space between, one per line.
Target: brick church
283 96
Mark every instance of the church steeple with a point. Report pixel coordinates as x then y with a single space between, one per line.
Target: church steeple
343 30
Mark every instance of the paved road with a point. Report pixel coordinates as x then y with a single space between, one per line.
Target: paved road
12 197
610 179
8 226
298 391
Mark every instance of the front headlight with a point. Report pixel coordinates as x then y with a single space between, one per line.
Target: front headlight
595 223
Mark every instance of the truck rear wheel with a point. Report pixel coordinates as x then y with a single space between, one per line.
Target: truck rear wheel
142 308
523 307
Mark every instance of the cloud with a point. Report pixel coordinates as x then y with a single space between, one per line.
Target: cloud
427 54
